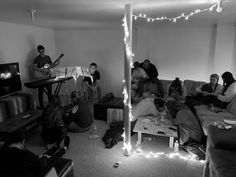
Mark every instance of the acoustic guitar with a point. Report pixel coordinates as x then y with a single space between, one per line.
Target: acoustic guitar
46 74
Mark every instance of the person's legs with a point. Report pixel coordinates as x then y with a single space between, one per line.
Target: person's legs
190 103
68 119
73 127
99 93
86 93
40 97
60 134
216 102
49 90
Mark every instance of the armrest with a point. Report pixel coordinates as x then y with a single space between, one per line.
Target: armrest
64 167
221 138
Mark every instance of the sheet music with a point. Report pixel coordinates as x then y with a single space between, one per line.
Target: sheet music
72 71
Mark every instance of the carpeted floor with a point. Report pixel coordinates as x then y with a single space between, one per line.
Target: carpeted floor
91 159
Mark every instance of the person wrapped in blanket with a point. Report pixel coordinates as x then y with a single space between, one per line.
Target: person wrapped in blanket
188 125
190 133
54 129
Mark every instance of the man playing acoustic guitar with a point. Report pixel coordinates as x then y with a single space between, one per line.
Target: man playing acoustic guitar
42 65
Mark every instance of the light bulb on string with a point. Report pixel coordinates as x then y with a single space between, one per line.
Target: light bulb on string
217 4
219 8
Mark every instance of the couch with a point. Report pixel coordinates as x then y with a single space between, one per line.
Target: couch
63 168
13 108
221 143
16 104
220 152
18 111
204 114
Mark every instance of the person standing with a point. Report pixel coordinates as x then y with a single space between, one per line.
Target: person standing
92 90
40 67
150 69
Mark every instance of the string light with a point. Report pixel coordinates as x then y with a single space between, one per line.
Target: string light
172 155
129 55
217 4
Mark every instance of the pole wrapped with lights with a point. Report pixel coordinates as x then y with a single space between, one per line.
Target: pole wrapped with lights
127 24
186 16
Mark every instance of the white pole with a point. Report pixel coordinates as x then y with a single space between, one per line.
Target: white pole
127 76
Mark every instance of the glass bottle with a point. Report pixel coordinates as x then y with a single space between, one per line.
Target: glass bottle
176 146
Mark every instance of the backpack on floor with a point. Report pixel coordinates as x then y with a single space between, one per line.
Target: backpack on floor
114 134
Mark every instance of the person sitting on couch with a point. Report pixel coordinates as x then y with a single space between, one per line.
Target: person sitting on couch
227 94
211 88
79 117
189 127
17 161
176 91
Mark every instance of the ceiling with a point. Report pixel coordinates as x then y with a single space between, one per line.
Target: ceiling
60 14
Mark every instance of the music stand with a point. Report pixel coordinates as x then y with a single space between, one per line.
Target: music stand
72 71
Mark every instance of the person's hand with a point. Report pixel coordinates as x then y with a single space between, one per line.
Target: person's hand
75 109
45 70
44 155
206 93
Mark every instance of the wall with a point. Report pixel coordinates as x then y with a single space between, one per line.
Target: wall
187 51
102 46
224 59
18 44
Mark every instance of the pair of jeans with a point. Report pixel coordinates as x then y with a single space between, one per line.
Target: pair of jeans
40 94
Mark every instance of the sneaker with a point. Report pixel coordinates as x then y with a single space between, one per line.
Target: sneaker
67 142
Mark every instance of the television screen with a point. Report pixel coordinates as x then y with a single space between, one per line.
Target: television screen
10 81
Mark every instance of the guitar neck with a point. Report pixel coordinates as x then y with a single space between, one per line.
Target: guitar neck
54 63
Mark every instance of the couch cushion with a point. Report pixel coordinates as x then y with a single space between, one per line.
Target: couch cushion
165 84
12 106
3 112
204 113
221 138
64 167
206 124
191 86
231 107
223 161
